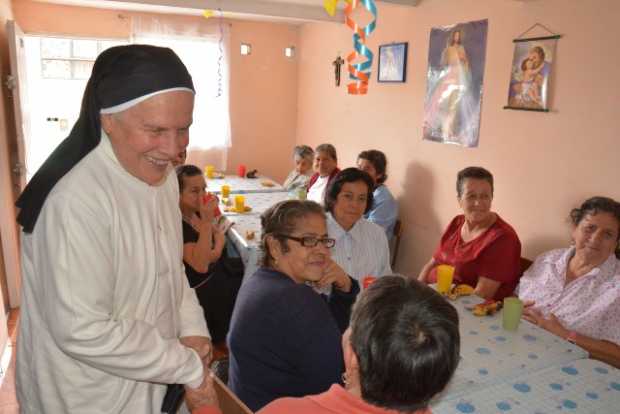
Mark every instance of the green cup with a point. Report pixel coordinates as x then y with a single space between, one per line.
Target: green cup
511 313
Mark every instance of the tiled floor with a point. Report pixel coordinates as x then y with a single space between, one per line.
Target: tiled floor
8 399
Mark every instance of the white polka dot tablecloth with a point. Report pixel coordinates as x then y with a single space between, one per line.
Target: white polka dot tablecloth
240 185
259 202
582 386
490 354
249 222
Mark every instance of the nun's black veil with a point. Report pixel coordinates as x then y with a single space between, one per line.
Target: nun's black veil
120 74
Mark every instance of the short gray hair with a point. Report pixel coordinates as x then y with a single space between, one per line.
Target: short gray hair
303 151
328 149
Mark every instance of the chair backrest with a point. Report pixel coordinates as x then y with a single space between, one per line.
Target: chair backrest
524 264
229 403
398 232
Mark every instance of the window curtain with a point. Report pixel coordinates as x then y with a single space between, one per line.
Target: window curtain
204 48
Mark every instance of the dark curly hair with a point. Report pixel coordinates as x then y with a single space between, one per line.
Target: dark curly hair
406 339
477 173
596 205
348 175
378 161
186 170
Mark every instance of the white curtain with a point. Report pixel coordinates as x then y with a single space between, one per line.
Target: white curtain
204 50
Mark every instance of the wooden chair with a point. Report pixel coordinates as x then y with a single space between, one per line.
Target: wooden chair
229 403
398 232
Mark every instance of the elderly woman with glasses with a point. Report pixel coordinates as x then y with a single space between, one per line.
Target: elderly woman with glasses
284 337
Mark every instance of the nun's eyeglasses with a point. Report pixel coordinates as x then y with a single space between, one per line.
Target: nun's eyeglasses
309 241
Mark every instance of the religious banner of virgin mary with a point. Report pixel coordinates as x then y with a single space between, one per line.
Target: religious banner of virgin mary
456 58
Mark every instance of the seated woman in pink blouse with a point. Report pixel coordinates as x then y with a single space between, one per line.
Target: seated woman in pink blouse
575 292
484 249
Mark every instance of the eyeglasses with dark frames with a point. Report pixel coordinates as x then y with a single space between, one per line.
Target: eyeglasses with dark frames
310 241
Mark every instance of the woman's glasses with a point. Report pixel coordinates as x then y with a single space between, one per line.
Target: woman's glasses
310 241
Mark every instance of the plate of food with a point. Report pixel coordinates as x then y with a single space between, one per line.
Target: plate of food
232 209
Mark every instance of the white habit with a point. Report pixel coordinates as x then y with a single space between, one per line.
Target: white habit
105 296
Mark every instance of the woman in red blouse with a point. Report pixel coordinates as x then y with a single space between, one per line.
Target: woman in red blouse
484 249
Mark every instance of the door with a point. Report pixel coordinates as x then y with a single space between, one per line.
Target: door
16 82
19 93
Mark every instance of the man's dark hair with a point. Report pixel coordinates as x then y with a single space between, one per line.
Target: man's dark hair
406 339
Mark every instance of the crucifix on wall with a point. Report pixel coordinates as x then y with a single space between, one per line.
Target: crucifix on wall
337 65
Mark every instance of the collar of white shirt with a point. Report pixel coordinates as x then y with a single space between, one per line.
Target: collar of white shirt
337 232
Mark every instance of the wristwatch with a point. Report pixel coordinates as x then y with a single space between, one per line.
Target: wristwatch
572 337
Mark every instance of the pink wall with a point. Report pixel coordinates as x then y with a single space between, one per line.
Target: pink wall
544 164
263 85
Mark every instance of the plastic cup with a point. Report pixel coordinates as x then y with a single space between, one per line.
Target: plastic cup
302 194
241 171
445 273
239 203
511 313
367 281
225 191
216 210
209 171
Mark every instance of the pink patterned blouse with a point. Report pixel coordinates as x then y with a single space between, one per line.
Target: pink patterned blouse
589 305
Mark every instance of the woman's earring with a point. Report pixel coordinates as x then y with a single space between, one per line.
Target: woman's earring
345 379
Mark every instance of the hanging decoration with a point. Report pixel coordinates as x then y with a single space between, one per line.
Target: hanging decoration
360 72
220 57
207 14
330 6
531 70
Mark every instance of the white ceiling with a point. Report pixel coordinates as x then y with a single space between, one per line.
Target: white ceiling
292 11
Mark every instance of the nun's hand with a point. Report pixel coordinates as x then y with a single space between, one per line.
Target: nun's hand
200 344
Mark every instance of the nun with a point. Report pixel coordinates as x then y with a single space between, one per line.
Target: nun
107 316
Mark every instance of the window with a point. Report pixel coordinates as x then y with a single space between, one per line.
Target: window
64 58
208 66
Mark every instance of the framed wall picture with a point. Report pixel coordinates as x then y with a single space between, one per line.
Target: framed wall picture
456 58
529 77
392 62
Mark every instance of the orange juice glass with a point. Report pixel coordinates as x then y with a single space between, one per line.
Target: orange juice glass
445 274
239 203
225 191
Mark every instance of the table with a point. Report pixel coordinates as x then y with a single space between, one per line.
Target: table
240 185
490 354
242 223
582 386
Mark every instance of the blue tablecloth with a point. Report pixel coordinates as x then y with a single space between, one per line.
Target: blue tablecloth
490 354
582 386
